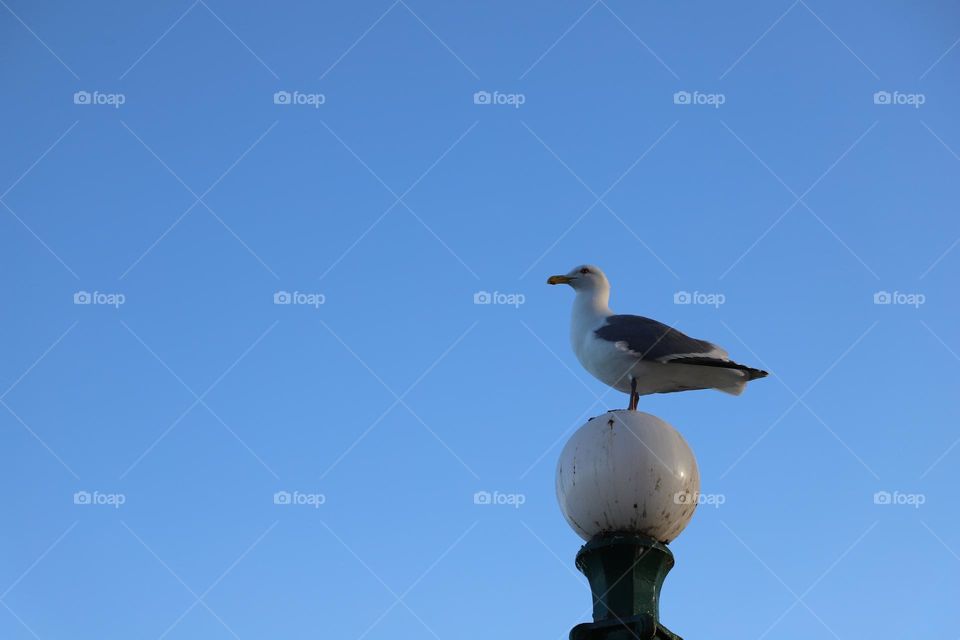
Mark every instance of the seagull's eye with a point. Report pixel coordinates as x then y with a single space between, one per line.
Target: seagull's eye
584 270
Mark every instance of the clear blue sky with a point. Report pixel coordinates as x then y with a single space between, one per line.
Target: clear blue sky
178 187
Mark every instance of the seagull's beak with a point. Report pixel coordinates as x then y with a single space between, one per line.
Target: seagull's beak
559 280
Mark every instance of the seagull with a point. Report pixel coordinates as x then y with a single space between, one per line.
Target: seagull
638 355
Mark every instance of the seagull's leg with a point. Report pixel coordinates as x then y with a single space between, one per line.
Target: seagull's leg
634 398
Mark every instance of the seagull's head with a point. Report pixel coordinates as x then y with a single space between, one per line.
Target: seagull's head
586 278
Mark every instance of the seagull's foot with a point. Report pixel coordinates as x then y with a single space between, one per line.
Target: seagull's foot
634 396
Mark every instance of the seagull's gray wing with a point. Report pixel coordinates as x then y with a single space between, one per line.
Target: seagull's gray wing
648 339
652 340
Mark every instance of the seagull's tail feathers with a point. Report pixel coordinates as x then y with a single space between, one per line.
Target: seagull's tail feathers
735 387
750 372
733 390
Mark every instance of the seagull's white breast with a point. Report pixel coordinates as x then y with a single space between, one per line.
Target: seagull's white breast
602 358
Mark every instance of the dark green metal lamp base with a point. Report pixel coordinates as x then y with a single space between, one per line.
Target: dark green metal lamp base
626 571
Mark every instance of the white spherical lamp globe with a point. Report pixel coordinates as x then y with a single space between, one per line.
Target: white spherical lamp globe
628 471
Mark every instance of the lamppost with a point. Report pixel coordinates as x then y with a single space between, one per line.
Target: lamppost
627 483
